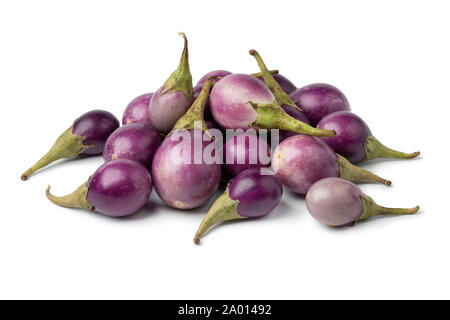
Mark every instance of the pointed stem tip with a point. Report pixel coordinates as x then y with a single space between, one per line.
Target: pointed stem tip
76 199
349 171
372 209
375 149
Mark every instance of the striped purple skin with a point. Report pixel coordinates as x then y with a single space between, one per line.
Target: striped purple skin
229 100
319 100
166 109
296 114
243 152
134 141
300 161
119 188
257 194
95 126
351 134
215 73
137 110
334 202
284 83
184 184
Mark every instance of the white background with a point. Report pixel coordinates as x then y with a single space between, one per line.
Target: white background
59 59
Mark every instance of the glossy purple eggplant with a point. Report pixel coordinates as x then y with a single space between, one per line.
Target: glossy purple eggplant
87 135
355 141
337 202
240 101
319 100
251 194
300 161
173 99
183 178
135 141
243 152
218 74
137 110
285 84
117 188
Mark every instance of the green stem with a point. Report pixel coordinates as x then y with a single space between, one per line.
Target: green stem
349 171
68 145
272 116
372 209
375 149
76 199
260 75
223 209
280 96
181 79
196 110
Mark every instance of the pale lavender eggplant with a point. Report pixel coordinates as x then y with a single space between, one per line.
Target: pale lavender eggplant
137 110
174 98
243 152
180 182
251 194
300 161
87 135
134 141
117 188
337 202
183 177
355 141
319 100
284 83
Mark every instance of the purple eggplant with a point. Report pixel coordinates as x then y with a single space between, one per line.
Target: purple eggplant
183 178
243 152
319 100
173 99
337 202
218 74
300 161
117 188
285 84
251 194
240 101
137 110
133 141
87 135
355 141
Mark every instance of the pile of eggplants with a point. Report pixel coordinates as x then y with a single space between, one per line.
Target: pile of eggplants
259 132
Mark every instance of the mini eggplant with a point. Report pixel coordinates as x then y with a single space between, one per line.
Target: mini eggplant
173 99
243 152
319 100
337 202
117 188
355 141
181 181
285 84
217 74
137 110
87 135
300 161
241 101
250 194
134 141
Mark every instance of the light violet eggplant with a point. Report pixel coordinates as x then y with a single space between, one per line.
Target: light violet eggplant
137 110
87 135
336 202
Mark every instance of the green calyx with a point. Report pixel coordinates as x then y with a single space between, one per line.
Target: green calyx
180 79
272 116
260 74
68 145
349 171
372 209
280 96
223 209
77 199
375 149
196 110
